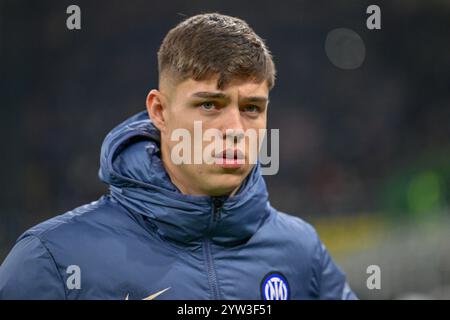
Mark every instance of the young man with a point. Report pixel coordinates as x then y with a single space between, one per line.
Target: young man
182 230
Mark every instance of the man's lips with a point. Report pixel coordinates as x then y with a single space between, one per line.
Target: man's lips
230 158
230 154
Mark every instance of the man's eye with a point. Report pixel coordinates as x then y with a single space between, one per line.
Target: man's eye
251 108
208 106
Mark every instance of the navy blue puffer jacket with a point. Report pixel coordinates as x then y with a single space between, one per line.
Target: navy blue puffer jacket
146 240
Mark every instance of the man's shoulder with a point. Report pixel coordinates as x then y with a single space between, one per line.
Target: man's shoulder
287 227
294 225
87 237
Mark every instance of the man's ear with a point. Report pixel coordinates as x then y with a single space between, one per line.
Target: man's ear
156 108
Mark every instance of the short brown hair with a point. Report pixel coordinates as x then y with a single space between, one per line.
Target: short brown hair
208 44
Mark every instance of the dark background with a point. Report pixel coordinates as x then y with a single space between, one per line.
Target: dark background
373 140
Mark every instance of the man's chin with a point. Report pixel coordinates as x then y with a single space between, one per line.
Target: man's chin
224 185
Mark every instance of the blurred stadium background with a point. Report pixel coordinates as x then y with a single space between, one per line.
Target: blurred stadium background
365 153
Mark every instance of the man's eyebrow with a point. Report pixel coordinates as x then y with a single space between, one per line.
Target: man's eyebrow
210 95
219 95
256 99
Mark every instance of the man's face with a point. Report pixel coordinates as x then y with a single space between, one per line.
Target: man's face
239 108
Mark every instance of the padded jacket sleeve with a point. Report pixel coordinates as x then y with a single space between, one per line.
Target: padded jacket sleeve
30 272
332 281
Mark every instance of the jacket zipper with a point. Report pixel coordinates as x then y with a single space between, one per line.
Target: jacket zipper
212 275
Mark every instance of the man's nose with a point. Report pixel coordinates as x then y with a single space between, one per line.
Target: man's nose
232 127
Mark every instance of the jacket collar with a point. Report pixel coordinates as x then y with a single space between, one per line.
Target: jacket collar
130 163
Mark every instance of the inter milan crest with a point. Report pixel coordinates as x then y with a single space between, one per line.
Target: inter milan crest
274 286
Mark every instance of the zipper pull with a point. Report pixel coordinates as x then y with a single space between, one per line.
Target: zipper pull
217 205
